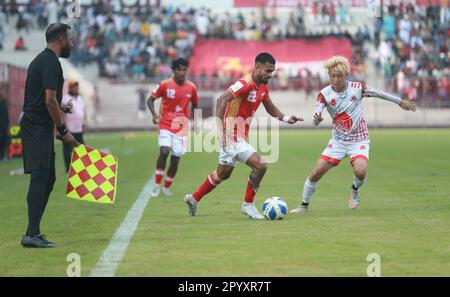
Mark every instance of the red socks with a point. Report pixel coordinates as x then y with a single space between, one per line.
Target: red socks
168 181
208 185
250 193
159 175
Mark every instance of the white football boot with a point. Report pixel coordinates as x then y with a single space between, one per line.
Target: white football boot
166 192
192 204
250 210
155 191
300 209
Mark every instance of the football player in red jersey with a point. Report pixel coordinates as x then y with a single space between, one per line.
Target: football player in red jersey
235 109
173 120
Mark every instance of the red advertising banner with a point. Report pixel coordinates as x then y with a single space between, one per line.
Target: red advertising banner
309 3
237 57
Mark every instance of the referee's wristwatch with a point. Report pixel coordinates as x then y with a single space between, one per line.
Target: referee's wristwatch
62 130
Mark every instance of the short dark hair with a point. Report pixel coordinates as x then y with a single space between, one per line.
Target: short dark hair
180 62
55 30
264 58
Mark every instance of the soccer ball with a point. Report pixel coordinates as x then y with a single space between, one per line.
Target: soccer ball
274 208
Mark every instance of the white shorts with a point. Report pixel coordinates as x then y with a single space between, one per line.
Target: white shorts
336 151
239 151
177 144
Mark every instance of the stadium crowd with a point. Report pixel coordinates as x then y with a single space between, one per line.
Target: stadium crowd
413 54
139 43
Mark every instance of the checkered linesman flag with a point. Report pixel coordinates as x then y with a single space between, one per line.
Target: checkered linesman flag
92 175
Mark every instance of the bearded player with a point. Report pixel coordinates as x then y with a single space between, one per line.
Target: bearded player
350 137
173 122
235 109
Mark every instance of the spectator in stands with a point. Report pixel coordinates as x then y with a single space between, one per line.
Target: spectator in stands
75 120
420 52
19 45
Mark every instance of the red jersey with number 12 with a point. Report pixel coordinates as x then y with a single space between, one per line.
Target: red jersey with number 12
239 113
175 104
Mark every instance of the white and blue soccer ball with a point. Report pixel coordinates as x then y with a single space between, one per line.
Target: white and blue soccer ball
274 208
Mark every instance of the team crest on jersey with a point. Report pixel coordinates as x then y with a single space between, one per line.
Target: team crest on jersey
362 147
353 98
178 108
252 96
333 102
170 93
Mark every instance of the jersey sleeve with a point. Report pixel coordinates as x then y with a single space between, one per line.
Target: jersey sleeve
320 103
239 88
50 75
158 91
195 98
372 92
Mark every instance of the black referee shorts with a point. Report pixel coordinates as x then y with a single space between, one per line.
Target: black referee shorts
37 146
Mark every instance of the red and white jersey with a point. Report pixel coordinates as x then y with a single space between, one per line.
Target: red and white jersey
346 111
239 113
175 104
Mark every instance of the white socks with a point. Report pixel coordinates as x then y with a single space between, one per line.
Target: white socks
308 190
357 183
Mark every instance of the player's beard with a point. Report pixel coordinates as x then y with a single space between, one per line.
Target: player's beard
65 52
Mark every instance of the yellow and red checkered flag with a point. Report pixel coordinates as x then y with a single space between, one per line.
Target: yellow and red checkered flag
92 175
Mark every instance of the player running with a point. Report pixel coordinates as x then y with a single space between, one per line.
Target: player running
235 109
176 94
350 137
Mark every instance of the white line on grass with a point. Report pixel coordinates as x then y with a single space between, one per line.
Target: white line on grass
112 256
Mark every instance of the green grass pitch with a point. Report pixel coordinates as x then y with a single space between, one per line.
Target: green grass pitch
404 214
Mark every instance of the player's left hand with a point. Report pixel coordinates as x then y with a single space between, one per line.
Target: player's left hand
407 105
294 118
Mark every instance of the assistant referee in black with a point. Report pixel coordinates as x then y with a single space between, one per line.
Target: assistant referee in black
42 112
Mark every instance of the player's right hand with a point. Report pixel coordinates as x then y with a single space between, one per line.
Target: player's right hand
317 118
156 120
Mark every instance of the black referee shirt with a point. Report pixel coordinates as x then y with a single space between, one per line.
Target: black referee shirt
44 72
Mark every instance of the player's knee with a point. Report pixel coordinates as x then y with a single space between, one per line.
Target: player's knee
261 168
164 152
224 175
360 173
175 160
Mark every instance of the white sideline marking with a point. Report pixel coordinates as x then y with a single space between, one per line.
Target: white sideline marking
113 254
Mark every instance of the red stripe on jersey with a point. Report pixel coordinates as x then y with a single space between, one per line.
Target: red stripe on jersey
321 98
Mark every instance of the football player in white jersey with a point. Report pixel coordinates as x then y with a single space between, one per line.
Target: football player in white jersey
350 137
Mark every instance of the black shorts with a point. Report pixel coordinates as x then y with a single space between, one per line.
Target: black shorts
37 146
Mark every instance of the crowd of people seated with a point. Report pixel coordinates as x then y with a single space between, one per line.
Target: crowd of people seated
413 52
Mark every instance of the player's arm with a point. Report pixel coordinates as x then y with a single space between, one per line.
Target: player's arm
403 103
276 113
221 107
55 113
50 82
318 109
151 105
